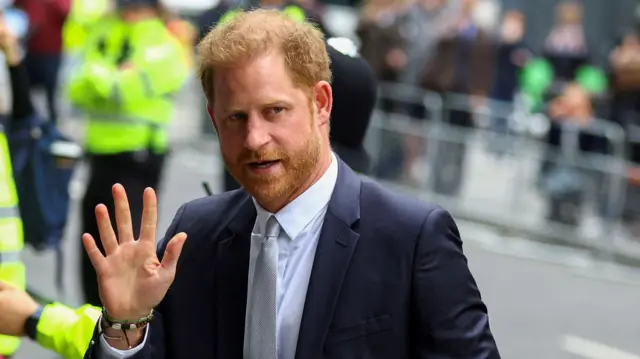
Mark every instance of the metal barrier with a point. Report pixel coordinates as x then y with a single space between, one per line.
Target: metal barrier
524 184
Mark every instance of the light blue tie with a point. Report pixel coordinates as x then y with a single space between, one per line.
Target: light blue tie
262 322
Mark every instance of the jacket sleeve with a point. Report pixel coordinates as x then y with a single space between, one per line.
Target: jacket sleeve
154 347
451 319
158 70
67 331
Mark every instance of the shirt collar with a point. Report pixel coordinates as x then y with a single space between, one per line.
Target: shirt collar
296 215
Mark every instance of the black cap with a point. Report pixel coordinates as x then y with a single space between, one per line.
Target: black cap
354 97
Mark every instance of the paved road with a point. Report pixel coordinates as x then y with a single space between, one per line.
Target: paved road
545 302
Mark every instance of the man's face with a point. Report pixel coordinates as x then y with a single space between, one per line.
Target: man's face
270 132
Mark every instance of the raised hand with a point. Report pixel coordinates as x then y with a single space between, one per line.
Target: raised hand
131 279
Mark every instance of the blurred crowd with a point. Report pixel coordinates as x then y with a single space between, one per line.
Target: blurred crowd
471 48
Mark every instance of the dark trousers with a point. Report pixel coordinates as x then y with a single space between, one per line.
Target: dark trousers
43 72
106 170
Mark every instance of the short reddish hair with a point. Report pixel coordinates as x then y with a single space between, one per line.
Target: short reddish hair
252 33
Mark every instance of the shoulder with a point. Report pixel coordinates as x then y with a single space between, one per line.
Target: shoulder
399 210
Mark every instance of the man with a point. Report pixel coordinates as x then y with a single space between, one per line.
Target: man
131 67
308 260
68 331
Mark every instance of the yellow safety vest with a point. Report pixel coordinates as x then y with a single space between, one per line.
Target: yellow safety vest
11 236
128 109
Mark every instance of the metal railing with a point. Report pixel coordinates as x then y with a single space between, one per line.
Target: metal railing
477 158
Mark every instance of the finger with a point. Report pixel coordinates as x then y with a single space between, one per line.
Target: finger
123 214
149 215
171 255
105 229
97 259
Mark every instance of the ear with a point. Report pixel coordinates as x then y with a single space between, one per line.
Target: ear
213 119
323 101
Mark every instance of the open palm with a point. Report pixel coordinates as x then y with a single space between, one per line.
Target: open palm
131 279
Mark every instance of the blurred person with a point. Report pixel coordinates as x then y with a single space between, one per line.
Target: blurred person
625 73
563 181
422 24
511 56
44 46
131 65
369 272
566 46
463 66
381 43
12 269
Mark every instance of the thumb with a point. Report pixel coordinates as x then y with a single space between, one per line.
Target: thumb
171 255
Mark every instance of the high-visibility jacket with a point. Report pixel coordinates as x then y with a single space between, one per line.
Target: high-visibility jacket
83 16
124 84
67 331
11 236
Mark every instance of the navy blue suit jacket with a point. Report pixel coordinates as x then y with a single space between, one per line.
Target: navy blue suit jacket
389 280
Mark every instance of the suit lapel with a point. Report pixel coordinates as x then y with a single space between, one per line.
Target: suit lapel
336 245
231 281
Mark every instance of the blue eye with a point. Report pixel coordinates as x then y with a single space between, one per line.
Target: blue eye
276 110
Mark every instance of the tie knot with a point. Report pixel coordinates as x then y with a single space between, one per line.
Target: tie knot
272 228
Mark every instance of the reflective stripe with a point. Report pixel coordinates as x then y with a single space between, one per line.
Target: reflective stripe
9 212
125 119
9 257
146 84
116 93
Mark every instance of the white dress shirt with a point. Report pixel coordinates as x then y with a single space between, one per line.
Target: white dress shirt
301 222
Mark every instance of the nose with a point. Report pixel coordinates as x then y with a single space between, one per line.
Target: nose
257 133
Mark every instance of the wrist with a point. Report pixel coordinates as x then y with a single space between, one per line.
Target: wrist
31 325
122 339
126 318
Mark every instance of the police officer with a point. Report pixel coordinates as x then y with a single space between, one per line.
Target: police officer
11 239
131 66
354 97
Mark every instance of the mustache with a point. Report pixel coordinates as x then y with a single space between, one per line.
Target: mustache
263 156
